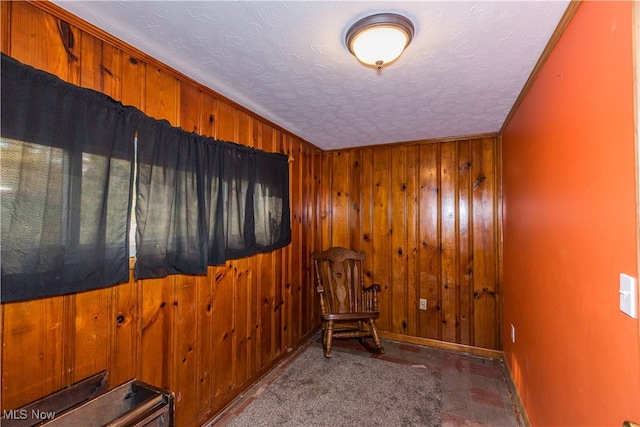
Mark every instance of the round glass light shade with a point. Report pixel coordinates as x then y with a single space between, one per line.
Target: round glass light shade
379 39
379 45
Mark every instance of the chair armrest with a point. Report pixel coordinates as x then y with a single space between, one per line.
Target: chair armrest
374 287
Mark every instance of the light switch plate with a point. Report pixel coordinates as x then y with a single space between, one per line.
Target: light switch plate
628 295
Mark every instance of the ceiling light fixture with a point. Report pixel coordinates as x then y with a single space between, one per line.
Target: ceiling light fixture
378 40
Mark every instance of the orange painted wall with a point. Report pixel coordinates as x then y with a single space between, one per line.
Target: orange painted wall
570 228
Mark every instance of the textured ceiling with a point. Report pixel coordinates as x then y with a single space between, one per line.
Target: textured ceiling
287 61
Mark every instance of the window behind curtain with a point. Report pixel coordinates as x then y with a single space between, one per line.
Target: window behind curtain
65 186
203 201
66 189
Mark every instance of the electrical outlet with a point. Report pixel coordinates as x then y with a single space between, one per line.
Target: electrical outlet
513 333
423 304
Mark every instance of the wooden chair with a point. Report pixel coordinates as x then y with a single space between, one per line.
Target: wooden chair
344 299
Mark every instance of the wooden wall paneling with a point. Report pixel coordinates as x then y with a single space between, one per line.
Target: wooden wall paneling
465 258
287 255
156 341
430 237
381 255
186 347
412 246
190 111
296 249
93 319
132 82
279 311
36 39
111 71
355 194
398 233
366 212
242 275
126 338
255 281
32 350
448 180
223 321
340 199
5 27
225 309
90 60
279 262
205 330
306 178
266 269
162 95
241 325
326 192
208 115
267 303
484 245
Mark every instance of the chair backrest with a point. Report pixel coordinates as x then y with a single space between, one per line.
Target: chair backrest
340 282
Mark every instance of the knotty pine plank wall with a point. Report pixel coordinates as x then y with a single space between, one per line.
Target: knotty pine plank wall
206 338
427 215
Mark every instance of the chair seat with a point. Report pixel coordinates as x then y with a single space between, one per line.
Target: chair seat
350 316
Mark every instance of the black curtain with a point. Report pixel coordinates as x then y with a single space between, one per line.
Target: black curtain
203 201
171 235
65 185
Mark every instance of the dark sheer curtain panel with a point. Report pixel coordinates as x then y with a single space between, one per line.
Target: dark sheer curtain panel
171 235
65 185
203 201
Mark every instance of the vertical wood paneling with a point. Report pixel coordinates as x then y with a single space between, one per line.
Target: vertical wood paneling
398 213
465 261
449 254
157 314
5 29
186 348
296 249
36 39
204 351
93 321
355 195
381 256
202 337
411 232
366 212
484 245
326 191
428 224
125 344
223 321
430 234
32 350
340 199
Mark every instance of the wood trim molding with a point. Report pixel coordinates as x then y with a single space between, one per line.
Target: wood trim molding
476 351
555 37
421 141
518 403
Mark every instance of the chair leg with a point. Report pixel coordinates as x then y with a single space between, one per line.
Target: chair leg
374 333
328 338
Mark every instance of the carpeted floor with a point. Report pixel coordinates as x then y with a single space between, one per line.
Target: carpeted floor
346 390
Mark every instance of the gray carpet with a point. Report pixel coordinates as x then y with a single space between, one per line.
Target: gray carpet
346 390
